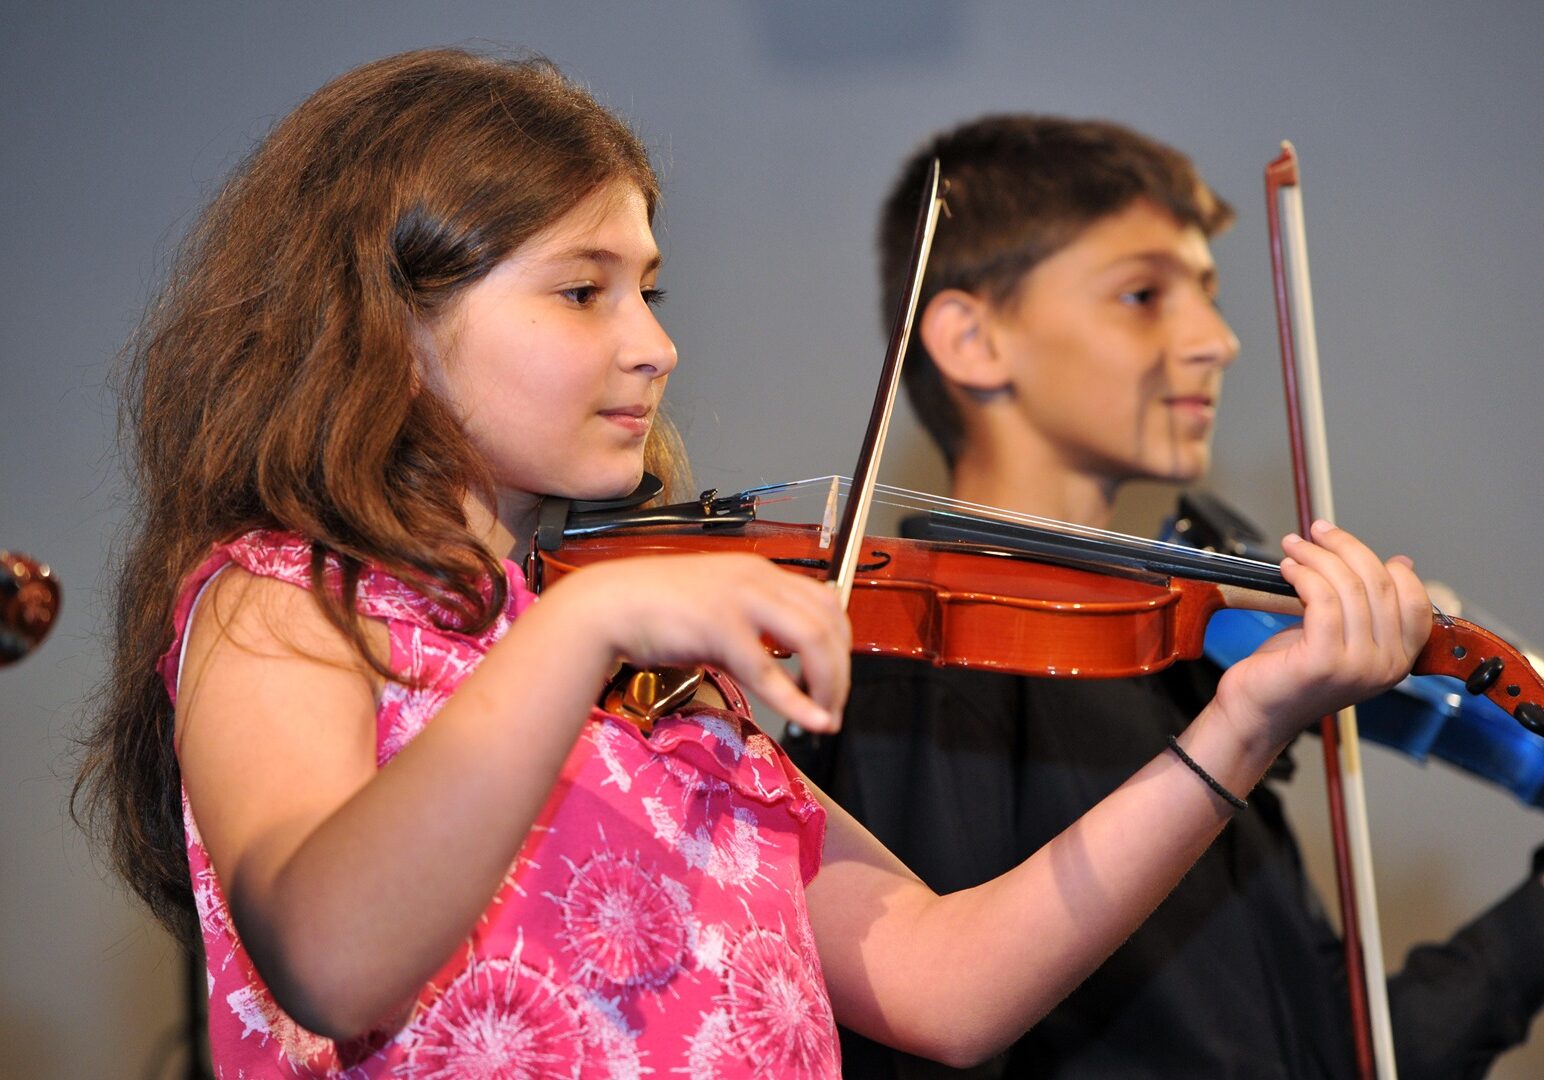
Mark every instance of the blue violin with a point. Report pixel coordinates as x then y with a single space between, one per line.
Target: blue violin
1425 716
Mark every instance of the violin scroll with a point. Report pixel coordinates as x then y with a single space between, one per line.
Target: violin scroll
1479 659
29 604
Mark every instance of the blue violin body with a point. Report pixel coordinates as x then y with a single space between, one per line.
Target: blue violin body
1425 716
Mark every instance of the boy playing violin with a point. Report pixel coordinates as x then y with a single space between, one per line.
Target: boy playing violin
1068 341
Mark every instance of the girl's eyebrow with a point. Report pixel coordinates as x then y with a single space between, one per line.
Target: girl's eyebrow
606 257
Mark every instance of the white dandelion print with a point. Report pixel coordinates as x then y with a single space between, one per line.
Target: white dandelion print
260 1016
498 1020
778 1007
623 923
709 1049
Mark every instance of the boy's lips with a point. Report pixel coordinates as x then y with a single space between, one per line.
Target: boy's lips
1197 410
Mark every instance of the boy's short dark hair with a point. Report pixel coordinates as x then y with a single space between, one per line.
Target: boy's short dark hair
1021 187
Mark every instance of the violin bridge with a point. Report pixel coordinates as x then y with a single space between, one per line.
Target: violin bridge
828 518
643 695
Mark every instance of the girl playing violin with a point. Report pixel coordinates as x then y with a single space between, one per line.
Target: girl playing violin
345 748
1068 342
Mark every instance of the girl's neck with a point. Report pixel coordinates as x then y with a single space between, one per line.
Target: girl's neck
505 531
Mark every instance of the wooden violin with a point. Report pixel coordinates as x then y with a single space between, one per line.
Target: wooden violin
1006 592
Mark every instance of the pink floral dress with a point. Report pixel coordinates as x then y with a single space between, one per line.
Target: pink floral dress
653 923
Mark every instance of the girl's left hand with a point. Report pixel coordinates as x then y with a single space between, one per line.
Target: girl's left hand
1364 623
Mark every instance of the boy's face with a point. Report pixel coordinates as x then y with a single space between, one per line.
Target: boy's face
1116 348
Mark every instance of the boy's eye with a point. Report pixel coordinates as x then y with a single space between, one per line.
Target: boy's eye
654 296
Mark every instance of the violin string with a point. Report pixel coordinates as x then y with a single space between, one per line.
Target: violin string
906 499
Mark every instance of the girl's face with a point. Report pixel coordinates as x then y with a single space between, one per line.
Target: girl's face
1117 348
554 361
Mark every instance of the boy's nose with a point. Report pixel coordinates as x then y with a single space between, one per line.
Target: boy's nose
1206 336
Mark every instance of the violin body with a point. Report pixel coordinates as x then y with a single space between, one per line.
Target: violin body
1013 604
957 604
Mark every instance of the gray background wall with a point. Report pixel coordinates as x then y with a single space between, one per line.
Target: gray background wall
775 127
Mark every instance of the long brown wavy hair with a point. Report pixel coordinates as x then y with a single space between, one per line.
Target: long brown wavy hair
272 385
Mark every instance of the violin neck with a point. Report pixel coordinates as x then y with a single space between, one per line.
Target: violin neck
1253 584
1236 596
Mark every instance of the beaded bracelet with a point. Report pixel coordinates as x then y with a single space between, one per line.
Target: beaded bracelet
1211 781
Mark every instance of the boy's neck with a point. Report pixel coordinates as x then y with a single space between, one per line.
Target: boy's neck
1028 485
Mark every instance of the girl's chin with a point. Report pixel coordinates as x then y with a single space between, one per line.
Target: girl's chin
603 491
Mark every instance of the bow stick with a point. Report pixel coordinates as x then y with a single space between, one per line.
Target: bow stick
1371 1025
849 534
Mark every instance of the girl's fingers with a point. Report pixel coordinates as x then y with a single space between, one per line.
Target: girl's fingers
1383 600
1379 609
1350 590
722 608
1414 605
1400 606
806 618
1323 616
749 662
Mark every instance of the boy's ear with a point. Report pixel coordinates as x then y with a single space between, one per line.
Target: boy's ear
954 332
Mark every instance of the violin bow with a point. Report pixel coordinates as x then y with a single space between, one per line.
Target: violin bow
1371 1024
860 497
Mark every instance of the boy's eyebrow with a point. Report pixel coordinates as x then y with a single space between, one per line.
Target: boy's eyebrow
1169 263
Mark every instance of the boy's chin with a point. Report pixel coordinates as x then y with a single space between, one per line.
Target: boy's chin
1187 468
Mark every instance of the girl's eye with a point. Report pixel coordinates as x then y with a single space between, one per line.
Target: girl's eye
654 296
582 295
1142 297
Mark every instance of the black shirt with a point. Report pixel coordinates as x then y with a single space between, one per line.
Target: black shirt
964 774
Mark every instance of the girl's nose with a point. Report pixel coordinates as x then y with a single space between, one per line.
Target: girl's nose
649 350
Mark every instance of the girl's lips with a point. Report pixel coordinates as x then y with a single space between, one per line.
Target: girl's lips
634 419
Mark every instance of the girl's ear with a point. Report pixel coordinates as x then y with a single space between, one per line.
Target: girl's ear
954 332
426 353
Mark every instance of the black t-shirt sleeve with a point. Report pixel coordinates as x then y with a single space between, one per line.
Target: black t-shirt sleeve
1457 1005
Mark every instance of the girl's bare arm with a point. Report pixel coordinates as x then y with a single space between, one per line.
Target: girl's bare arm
957 978
350 885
